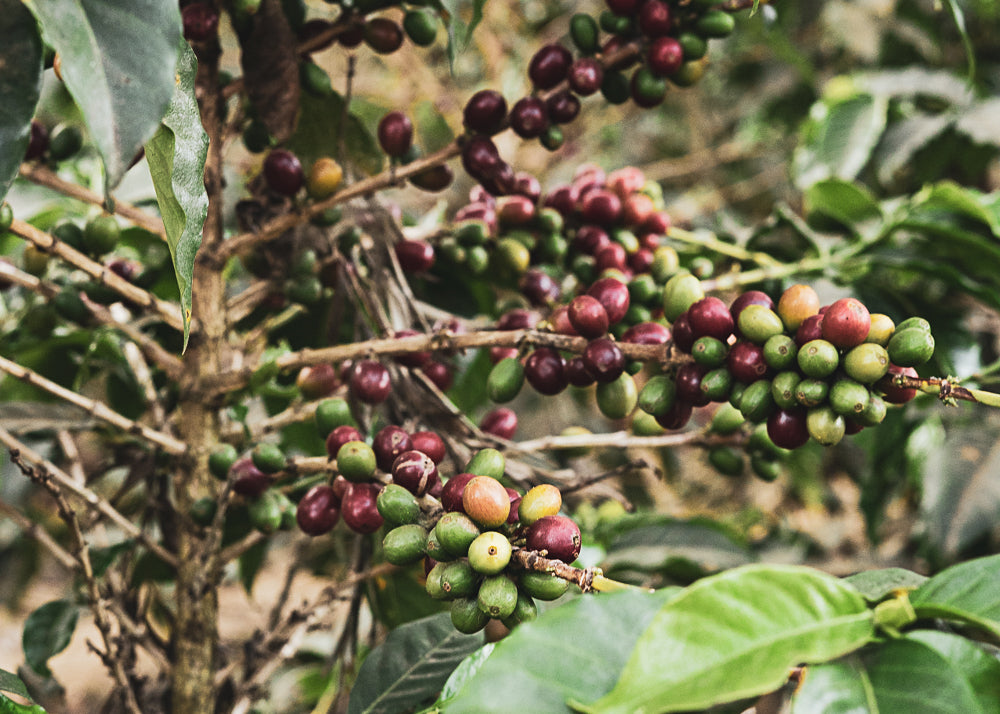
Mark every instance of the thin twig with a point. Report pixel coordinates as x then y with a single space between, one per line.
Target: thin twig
38 534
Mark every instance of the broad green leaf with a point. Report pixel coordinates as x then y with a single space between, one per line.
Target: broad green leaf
684 549
968 592
466 669
102 558
10 682
118 63
874 585
319 134
845 202
839 139
433 129
47 632
836 688
903 140
953 198
411 666
20 83
969 662
735 635
9 706
574 650
176 156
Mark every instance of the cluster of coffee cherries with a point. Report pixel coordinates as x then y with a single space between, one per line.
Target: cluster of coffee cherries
667 40
803 369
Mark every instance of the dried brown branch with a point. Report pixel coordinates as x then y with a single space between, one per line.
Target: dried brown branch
38 534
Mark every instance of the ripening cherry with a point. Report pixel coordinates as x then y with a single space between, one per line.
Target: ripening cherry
395 134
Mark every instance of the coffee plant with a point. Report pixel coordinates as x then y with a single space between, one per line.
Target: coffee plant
527 396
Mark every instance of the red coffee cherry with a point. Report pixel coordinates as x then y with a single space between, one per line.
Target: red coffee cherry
415 256
395 134
549 65
588 316
283 172
501 422
655 18
370 382
647 333
340 436
415 471
745 362
710 316
846 323
389 442
563 107
200 21
451 493
429 443
358 507
318 511
485 112
558 535
604 360
613 295
585 76
664 56
545 370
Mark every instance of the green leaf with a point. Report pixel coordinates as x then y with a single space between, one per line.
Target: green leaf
968 592
20 84
950 197
969 662
845 202
176 156
465 671
836 688
411 666
319 134
840 138
874 585
10 682
250 564
574 650
118 62
434 131
102 558
8 706
736 635
47 632
970 53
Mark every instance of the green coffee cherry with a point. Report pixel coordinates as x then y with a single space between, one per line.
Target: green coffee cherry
543 586
433 582
221 460
435 549
617 399
505 380
818 359
666 261
759 323
421 26
203 510
811 392
487 462
459 579
269 458
356 461
101 235
694 46
756 403
398 506
867 363
727 420
717 384
489 553
847 397
525 610
911 347
644 424
467 617
780 352
874 412
715 23
783 389
331 413
727 460
497 596
405 544
825 425
456 532
658 395
709 351
265 512
680 293
6 216
765 468
918 322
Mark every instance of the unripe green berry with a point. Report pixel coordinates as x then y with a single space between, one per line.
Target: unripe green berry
221 460
456 532
497 596
489 553
269 458
405 544
540 501
356 461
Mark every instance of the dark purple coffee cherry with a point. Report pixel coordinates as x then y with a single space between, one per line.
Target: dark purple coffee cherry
501 422
788 428
517 319
604 359
563 107
340 436
451 493
677 416
810 329
318 510
38 143
549 65
613 295
415 256
502 182
588 316
710 317
352 35
358 507
317 380
200 21
558 535
480 158
433 178
383 35
746 362
577 373
611 257
388 443
745 299
529 186
485 112
370 382
623 8
688 383
430 443
395 134
411 359
415 471
647 333
529 118
248 480
601 206
590 239
283 172
655 18
664 56
545 370
540 288
563 199
585 76
440 374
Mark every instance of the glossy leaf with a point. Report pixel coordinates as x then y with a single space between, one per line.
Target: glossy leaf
967 661
846 202
47 632
10 682
319 133
835 688
9 706
874 585
176 156
20 84
411 666
736 635
968 592
840 139
465 671
118 62
574 650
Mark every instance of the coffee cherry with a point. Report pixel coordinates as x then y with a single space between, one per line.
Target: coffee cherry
780 352
269 458
604 360
451 494
549 65
647 333
613 295
617 399
221 460
825 425
664 56
501 422
558 535
340 436
655 18
543 586
421 26
586 76
810 329
676 417
846 323
200 21
485 112
440 374
783 388
318 510
562 107
388 443
405 544
847 397
505 380
881 329
383 35
283 172
433 178
370 382
540 288
893 394
395 134
866 363
588 316
467 617
818 359
540 501
487 462
359 508
796 304
458 579
787 428
480 158
415 256
601 206
100 235
709 352
710 316
318 380
529 117
486 501
811 392
325 178
456 532
577 373
497 596
66 140
758 323
489 553
247 479
545 370
679 293
746 362
356 461
415 471
646 88
397 505
715 23
911 346
430 444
